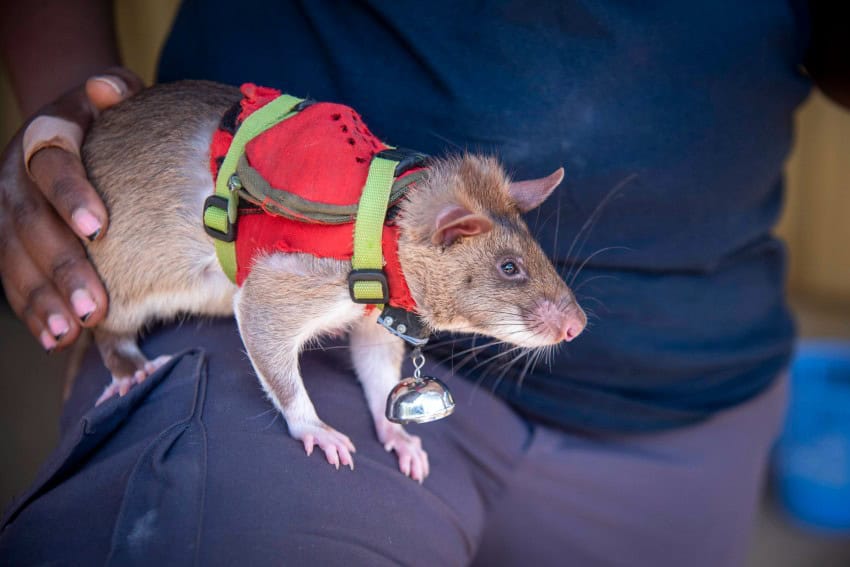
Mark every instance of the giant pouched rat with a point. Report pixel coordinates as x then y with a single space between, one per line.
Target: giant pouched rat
468 258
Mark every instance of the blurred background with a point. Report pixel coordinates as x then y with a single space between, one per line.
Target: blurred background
805 513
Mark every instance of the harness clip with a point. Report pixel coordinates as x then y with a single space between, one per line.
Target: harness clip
406 159
369 276
217 202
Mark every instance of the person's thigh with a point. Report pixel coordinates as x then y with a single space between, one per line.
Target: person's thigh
685 497
194 466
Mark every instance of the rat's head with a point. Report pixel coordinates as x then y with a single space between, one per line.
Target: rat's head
471 262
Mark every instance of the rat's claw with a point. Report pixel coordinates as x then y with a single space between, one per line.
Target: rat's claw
404 463
331 447
152 366
108 392
309 444
336 446
412 459
345 457
417 471
341 440
330 453
125 386
119 386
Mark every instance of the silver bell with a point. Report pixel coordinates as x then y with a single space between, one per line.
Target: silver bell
419 399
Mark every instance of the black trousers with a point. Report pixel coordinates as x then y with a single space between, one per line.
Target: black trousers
195 467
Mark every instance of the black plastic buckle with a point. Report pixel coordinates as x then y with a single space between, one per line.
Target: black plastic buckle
303 104
405 325
407 159
219 203
369 276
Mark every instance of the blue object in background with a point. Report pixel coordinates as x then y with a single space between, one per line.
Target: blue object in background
812 458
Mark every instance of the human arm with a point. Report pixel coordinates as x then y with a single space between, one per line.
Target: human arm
50 49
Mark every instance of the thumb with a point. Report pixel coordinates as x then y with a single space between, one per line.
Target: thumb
111 87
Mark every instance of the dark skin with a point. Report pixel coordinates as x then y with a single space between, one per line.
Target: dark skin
63 61
45 273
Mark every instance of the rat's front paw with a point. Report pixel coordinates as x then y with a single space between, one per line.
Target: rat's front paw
412 458
336 446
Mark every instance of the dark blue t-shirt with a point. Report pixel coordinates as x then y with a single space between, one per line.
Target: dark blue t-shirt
672 120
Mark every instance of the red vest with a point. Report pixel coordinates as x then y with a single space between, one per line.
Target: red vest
321 154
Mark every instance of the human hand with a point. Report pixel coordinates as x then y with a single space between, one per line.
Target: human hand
45 203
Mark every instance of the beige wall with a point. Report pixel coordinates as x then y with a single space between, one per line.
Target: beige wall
816 222
142 26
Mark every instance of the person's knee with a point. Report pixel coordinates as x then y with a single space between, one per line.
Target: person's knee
306 512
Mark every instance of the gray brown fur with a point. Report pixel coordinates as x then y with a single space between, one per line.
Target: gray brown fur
147 158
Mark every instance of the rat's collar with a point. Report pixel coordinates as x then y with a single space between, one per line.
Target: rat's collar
389 178
405 325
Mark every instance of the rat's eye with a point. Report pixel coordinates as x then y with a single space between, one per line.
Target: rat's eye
511 268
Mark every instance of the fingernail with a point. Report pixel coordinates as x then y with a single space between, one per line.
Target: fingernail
118 86
47 341
58 326
86 223
83 304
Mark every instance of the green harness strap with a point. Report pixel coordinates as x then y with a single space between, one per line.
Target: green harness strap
367 282
220 215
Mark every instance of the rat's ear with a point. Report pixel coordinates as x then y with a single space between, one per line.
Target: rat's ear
529 194
455 221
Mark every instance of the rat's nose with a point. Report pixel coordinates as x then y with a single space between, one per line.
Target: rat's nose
565 323
573 323
572 329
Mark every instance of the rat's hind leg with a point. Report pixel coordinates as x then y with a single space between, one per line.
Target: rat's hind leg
210 292
286 301
127 364
377 356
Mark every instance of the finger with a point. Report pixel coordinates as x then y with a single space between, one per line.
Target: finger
34 299
60 257
36 327
60 177
51 132
111 87
63 122
60 127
